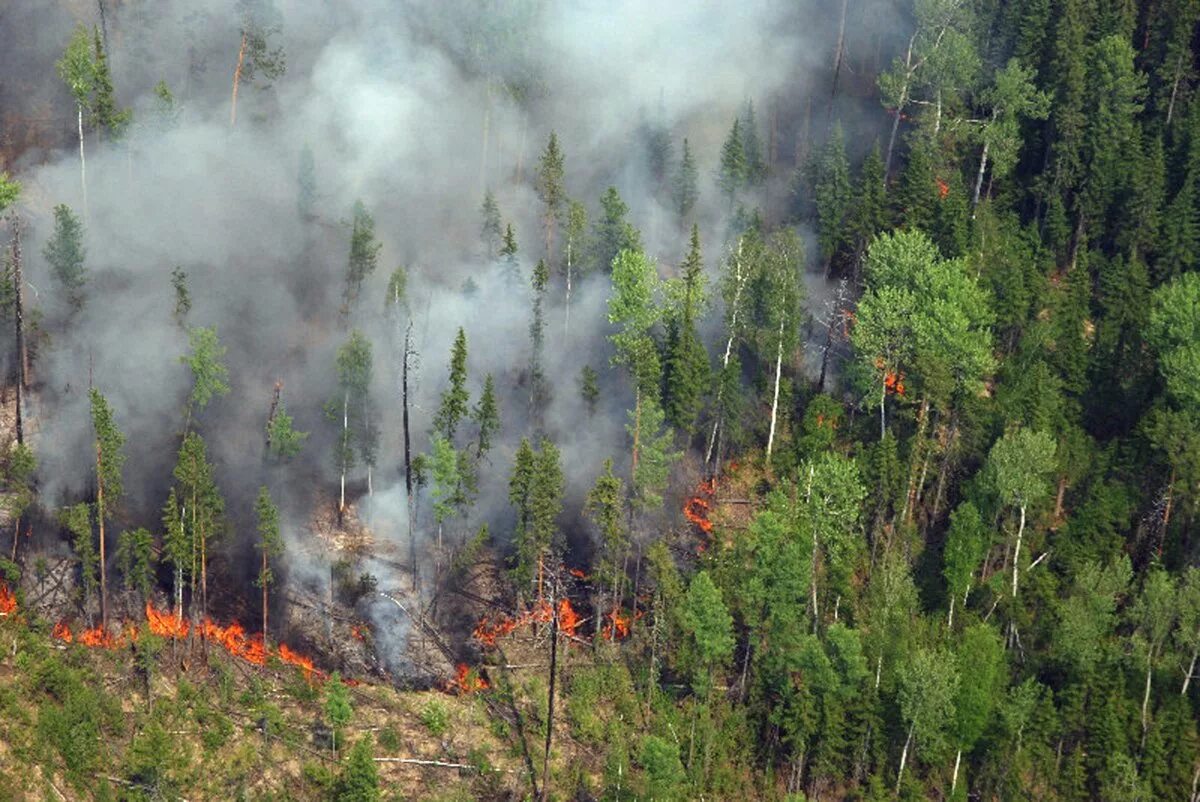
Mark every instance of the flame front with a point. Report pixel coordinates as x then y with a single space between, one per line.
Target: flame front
568 619
466 680
696 508
8 602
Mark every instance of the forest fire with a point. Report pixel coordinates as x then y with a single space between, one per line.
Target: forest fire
617 626
488 633
568 619
943 188
300 661
578 573
894 383
696 508
466 680
8 602
62 632
165 624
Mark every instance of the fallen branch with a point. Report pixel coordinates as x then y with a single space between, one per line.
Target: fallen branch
412 761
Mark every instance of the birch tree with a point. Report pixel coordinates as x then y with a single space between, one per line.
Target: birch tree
929 682
110 460
78 72
1019 467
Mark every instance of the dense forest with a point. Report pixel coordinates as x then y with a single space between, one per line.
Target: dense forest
504 399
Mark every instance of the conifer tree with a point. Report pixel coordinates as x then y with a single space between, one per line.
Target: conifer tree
338 708
539 388
551 192
176 549
612 233
486 415
685 360
455 400
512 271
105 115
535 492
589 388
604 507
65 252
284 441
110 461
684 192
270 546
832 195
359 780
490 231
731 176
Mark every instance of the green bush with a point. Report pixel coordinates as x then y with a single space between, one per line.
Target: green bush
436 717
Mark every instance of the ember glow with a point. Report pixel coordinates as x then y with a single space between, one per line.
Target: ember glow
8 602
568 619
488 631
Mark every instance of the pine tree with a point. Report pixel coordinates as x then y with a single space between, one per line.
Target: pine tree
338 710
539 388
65 252
110 461
364 253
604 507
686 371
455 400
269 545
732 174
550 191
684 192
490 231
512 271
359 780
486 416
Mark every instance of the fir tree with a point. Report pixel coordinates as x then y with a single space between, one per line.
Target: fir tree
731 176
512 271
65 252
550 191
685 362
684 192
490 231
455 400
269 545
486 416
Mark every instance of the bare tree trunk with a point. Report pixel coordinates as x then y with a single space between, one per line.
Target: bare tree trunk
263 581
237 79
274 410
882 400
637 430
775 394
550 702
82 161
1175 89
1146 693
567 305
345 446
838 53
1187 680
1017 553
904 757
950 617
954 778
979 178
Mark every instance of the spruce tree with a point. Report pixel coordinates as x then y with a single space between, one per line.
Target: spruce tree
684 192
833 197
508 250
270 546
731 176
756 167
490 231
486 416
65 252
110 461
455 400
685 362
612 232
550 191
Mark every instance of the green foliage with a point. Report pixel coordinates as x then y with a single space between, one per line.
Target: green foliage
210 377
136 560
490 231
436 718
455 399
359 779
65 253
364 252
612 233
684 192
284 441
659 758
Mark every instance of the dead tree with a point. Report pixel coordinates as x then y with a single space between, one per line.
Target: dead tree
274 411
19 315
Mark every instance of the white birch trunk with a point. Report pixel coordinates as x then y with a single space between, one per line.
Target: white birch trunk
954 778
1191 668
739 278
82 160
775 394
904 757
1017 553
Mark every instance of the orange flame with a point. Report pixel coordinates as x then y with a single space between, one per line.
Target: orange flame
8 602
696 508
617 626
466 680
943 188
488 633
62 632
358 632
578 573
294 658
894 383
98 637
166 624
568 619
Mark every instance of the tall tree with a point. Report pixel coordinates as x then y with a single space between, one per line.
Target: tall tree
77 519
1013 98
508 249
731 175
176 549
489 230
632 307
455 401
980 663
535 491
202 511
539 388
929 683
782 293
486 415
604 507
575 231
270 546
684 192
106 115
551 191
78 72
256 59
612 233
65 252
685 359
1019 468
110 461
756 166
966 544
832 195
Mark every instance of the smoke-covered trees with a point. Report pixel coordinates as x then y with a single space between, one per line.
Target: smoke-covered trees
78 72
612 233
535 490
65 253
202 512
364 253
256 59
551 192
731 175
455 402
490 229
539 387
684 190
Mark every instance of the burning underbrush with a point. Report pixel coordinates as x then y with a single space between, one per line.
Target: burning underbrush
165 624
